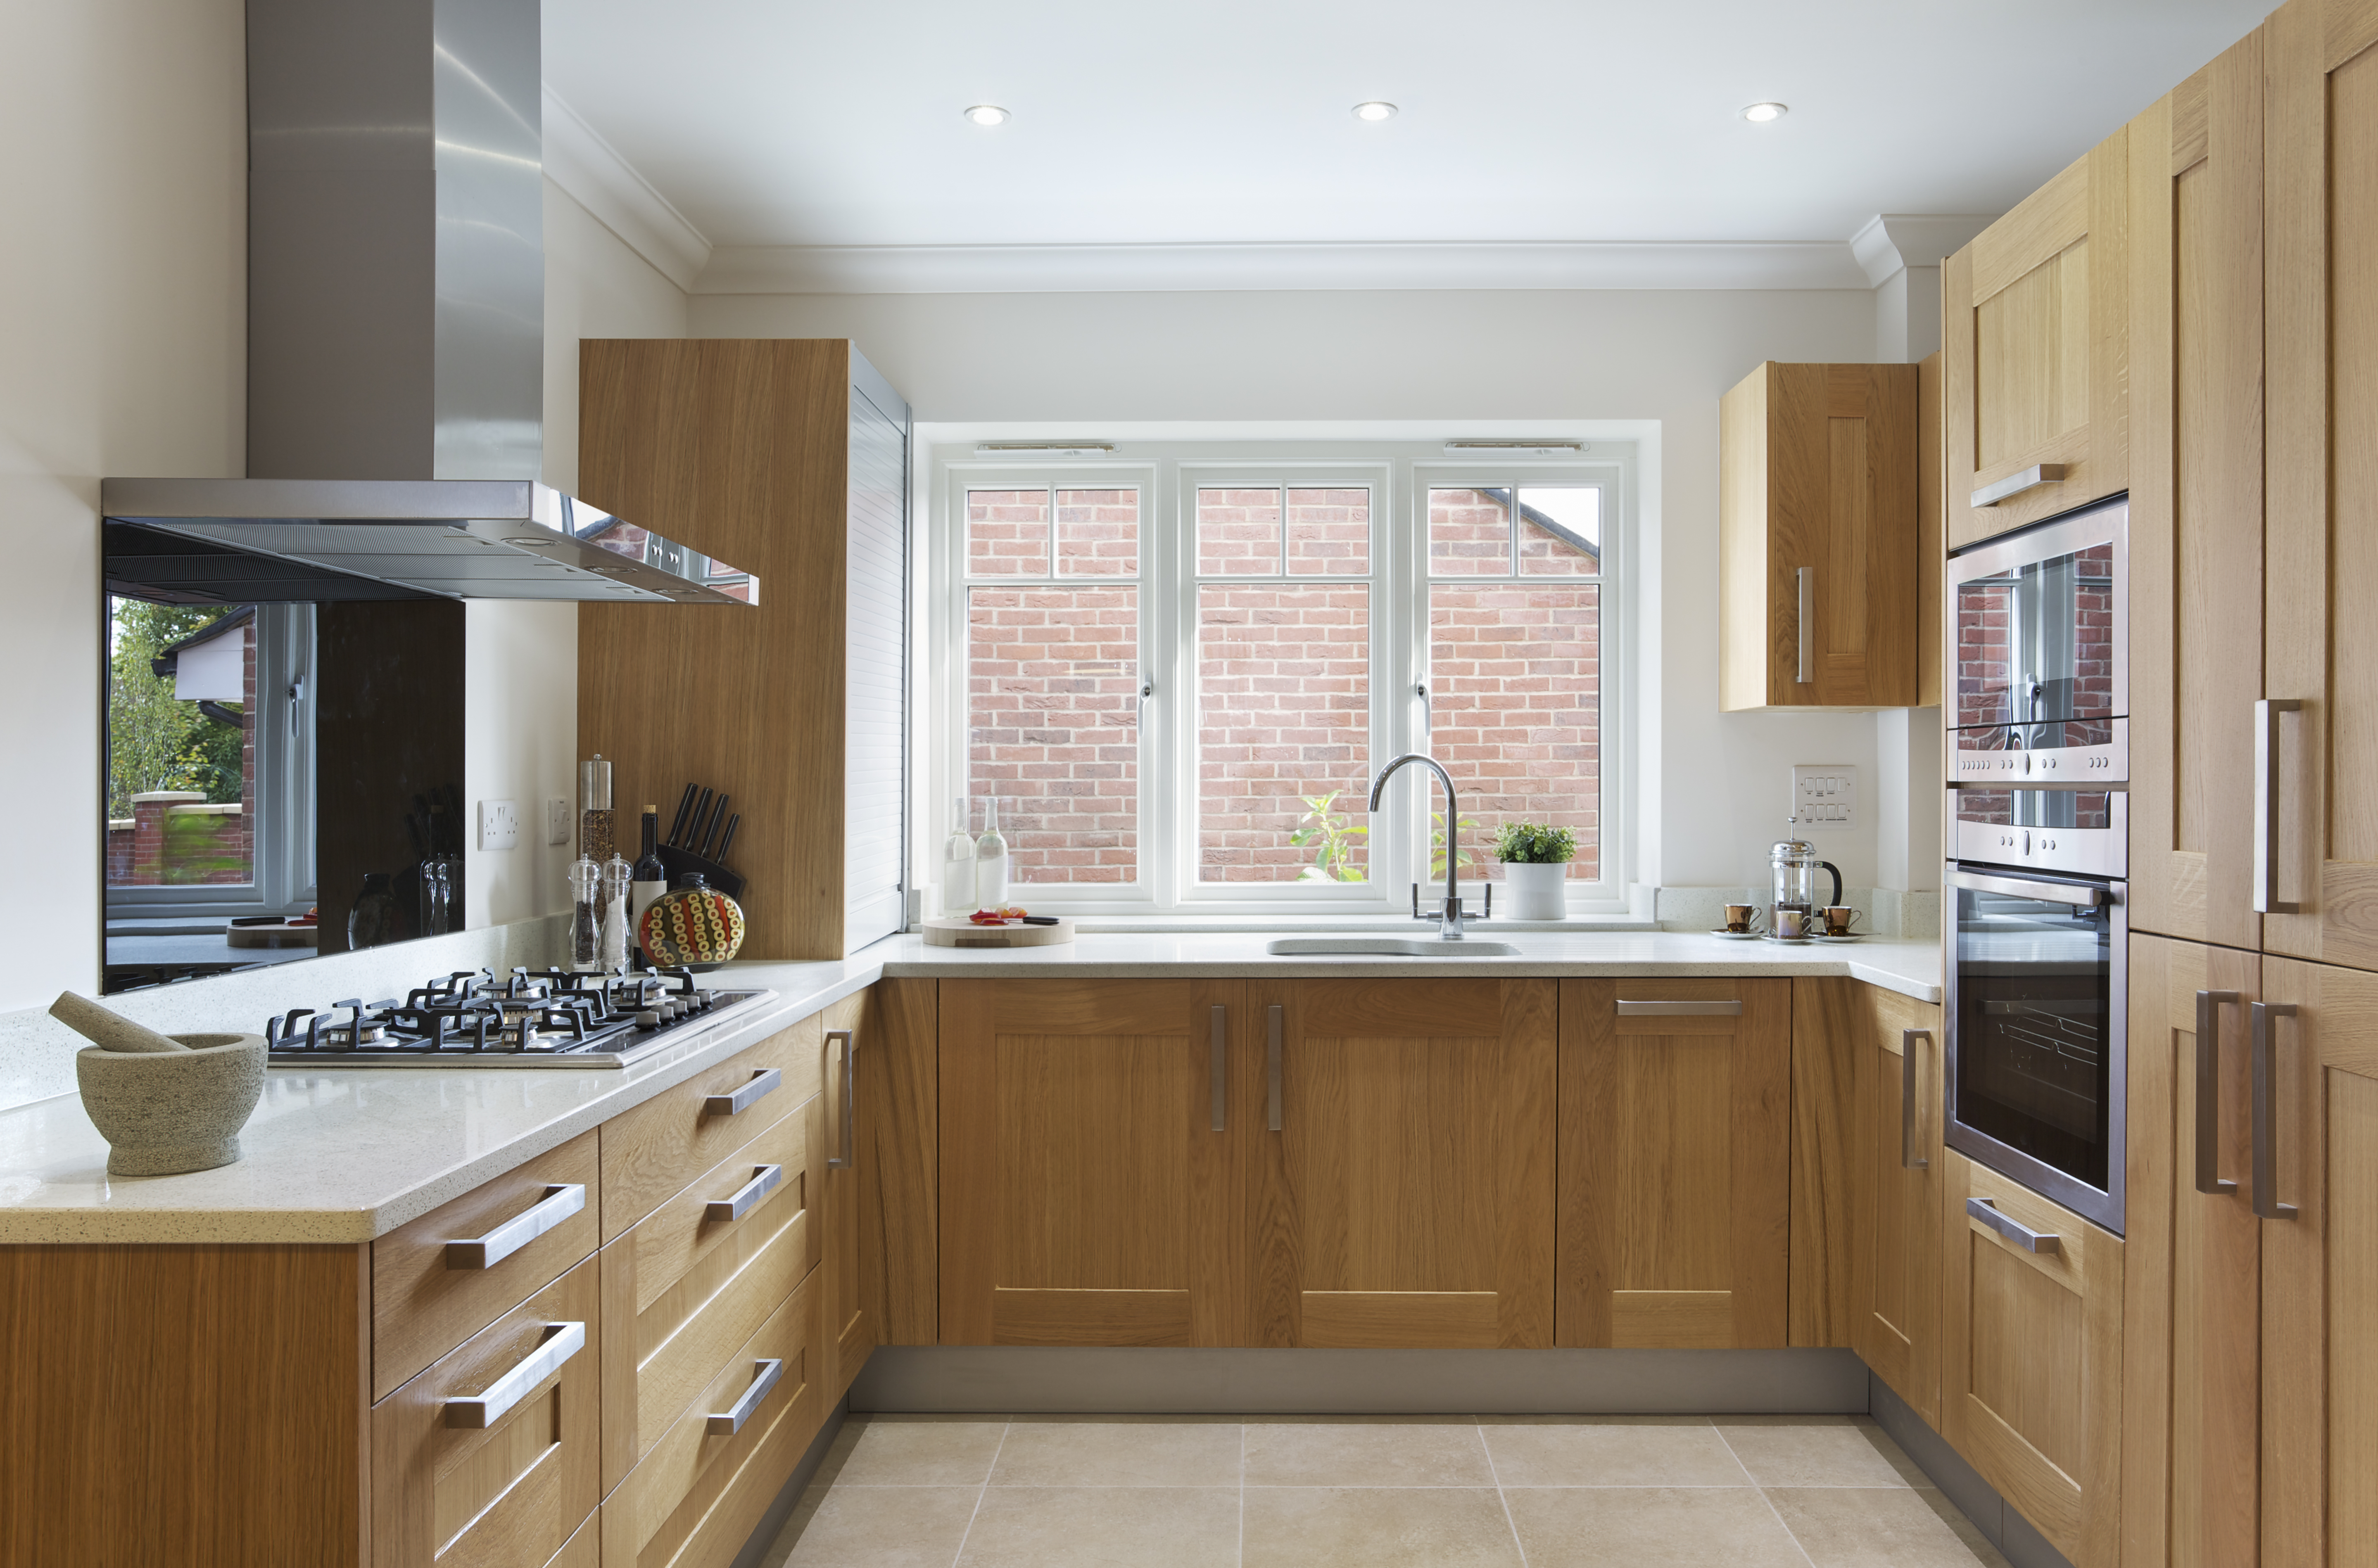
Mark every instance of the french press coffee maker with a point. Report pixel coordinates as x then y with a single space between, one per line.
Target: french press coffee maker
1794 864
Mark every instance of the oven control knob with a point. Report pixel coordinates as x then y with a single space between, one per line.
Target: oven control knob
648 1019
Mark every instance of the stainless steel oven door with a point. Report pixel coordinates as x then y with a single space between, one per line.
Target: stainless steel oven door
2037 1056
2039 638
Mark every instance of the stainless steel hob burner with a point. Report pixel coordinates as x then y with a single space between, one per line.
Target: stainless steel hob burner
470 1018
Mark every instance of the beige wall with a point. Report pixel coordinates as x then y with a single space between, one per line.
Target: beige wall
1713 789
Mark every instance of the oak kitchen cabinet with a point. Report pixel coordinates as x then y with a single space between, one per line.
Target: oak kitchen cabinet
2034 333
1675 1128
1894 1145
1820 537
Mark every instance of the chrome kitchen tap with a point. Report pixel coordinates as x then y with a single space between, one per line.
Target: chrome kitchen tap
1449 919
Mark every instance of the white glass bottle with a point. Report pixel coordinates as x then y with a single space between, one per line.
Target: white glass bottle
957 864
990 859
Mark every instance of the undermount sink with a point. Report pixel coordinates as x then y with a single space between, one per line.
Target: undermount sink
1394 947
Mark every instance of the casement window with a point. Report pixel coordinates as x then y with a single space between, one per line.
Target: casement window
1178 668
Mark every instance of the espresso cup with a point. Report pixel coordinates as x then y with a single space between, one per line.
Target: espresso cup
1738 916
1840 917
1792 924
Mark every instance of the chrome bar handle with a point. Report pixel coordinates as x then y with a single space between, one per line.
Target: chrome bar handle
1680 1010
1219 1068
1803 574
763 1181
764 1082
492 1403
2014 484
2208 1093
727 1423
559 1203
1271 1065
2266 804
2266 1115
1908 1158
849 1155
2030 1240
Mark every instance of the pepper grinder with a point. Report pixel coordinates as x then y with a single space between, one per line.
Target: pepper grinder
585 916
617 875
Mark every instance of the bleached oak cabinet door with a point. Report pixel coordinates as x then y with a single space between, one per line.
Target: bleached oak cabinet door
2191 1329
1093 1143
2031 1356
1896 1193
2196 501
2317 1061
2321 534
2033 347
1676 1113
1403 1193
854 1043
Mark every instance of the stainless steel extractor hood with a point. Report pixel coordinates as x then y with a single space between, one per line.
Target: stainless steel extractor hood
396 328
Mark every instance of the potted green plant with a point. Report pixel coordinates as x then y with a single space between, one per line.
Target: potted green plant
1535 857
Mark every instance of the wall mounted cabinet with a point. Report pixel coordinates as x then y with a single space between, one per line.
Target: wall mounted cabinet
1820 537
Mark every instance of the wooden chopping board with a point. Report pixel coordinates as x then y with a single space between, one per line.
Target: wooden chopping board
956 930
282 934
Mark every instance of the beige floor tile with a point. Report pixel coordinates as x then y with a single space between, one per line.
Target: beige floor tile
880 1527
1105 1528
1376 1527
1129 1453
1327 1455
893 1452
1612 1452
1817 1450
1873 1527
1650 1527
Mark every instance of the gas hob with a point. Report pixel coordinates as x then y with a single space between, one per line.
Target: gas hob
471 1018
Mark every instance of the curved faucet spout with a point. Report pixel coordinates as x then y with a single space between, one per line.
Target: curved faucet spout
1449 919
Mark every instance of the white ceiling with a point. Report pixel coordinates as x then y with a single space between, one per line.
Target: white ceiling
793 123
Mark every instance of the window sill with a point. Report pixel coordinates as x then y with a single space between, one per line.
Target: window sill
1091 925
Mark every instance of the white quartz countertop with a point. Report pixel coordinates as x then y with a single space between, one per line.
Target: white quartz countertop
349 1155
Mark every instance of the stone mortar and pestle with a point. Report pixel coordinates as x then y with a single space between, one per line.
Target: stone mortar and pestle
165 1103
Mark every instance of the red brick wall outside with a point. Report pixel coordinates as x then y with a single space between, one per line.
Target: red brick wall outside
1986 662
1515 698
1283 713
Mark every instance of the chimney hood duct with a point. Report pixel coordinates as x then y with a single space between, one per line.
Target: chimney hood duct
396 321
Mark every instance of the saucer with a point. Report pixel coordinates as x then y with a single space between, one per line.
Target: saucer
1736 936
1792 941
1844 937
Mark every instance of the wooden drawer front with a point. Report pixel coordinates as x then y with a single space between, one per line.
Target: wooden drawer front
697 1495
424 1304
2032 1371
513 1492
681 1291
650 1153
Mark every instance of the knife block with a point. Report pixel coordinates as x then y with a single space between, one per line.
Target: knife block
679 862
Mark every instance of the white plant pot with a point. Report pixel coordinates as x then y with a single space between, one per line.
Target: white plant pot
1535 892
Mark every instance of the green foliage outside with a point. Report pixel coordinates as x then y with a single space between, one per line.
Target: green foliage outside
1534 843
155 741
1333 837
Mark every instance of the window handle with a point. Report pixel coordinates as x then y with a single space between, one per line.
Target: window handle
1427 709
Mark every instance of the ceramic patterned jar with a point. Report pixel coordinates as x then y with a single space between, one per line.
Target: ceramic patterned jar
691 925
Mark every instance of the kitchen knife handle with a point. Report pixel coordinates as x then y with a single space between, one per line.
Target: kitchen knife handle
729 842
717 814
701 815
684 809
2208 1093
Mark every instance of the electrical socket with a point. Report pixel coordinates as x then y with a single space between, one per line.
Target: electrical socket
556 820
498 824
1824 796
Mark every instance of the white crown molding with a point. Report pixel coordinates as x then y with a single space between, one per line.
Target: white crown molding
579 160
1890 241
1198 267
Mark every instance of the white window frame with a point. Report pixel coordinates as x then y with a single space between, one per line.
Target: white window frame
1168 474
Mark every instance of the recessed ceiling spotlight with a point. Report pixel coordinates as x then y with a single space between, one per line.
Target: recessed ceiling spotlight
1760 113
1374 110
987 114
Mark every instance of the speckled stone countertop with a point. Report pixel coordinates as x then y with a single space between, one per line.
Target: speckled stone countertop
347 1155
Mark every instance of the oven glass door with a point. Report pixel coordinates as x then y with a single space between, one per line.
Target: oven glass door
2035 1046
2036 648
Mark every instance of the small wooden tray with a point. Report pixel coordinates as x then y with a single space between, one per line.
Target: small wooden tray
956 930
283 934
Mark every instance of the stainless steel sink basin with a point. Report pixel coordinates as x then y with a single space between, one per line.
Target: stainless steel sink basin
1393 947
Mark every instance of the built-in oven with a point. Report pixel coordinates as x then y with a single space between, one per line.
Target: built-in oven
2038 638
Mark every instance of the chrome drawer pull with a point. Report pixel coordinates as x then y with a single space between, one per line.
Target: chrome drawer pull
1679 1010
2014 484
849 1155
485 1409
2266 1114
1908 1158
486 1251
1217 1053
2030 1240
728 1423
763 1181
2208 1093
764 1082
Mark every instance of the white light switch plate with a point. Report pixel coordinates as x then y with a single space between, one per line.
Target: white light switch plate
1824 796
498 824
557 821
